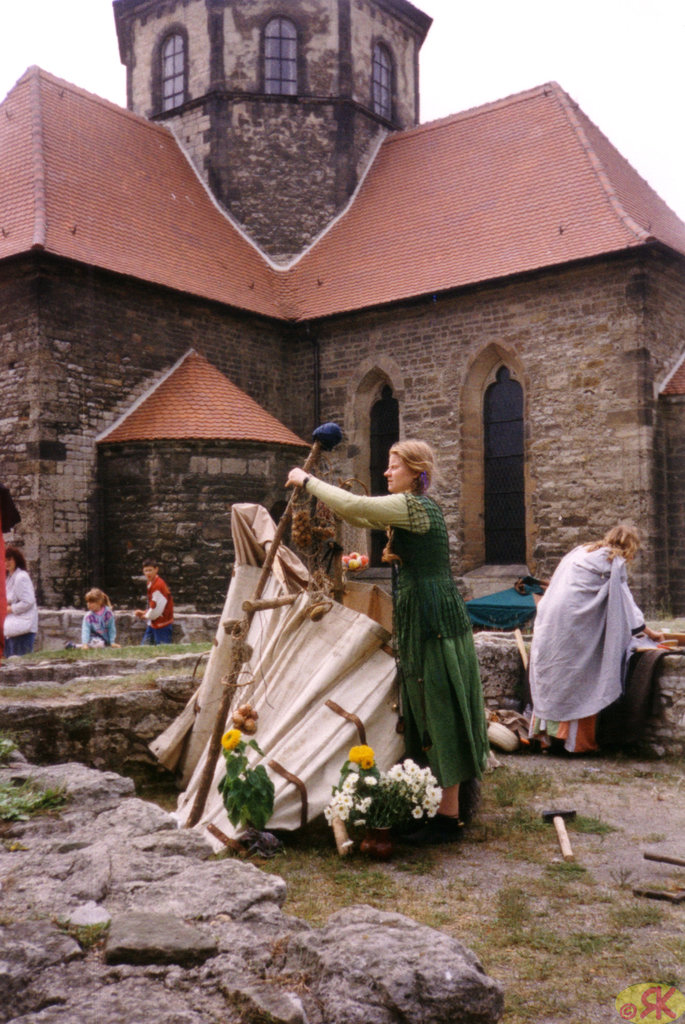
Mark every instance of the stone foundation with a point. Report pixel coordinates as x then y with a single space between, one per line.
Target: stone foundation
110 730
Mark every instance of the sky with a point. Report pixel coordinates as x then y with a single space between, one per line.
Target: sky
622 61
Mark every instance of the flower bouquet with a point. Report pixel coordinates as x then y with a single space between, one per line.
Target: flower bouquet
372 799
247 793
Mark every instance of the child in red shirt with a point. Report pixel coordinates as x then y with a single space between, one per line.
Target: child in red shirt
160 607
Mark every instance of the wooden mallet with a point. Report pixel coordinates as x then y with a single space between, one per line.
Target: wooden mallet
558 819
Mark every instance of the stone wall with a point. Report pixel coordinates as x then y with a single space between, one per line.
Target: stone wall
79 347
58 626
587 350
673 409
173 500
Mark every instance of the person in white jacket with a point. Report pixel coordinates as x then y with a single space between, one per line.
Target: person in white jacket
21 622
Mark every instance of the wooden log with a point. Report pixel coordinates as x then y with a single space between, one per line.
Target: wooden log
276 602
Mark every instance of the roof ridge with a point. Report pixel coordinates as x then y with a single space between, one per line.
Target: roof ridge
91 97
37 151
665 383
569 107
143 397
471 112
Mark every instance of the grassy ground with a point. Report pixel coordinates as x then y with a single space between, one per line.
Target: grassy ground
111 653
563 938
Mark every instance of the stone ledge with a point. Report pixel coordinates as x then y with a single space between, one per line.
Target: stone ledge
58 626
109 729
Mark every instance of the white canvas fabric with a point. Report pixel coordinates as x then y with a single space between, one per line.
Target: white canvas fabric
296 667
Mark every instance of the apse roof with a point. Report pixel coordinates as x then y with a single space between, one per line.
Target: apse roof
507 188
193 401
675 382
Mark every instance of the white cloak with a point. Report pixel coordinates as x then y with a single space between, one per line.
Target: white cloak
582 636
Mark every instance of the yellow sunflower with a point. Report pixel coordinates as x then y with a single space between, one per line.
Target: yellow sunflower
231 739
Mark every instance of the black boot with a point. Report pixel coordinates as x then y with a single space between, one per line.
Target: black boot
469 799
440 829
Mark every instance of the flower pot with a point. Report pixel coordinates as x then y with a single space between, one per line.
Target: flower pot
377 844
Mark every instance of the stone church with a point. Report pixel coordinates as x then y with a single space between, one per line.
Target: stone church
266 239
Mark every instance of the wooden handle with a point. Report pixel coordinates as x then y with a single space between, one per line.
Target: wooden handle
522 648
678 861
342 841
562 835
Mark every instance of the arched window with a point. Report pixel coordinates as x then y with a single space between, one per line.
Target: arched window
381 81
505 518
173 72
280 57
385 431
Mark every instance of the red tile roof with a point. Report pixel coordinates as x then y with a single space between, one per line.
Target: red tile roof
196 401
514 186
675 383
511 187
89 181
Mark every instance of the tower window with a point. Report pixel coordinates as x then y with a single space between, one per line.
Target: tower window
173 72
280 57
381 81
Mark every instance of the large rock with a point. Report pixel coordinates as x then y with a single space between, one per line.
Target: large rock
372 967
187 938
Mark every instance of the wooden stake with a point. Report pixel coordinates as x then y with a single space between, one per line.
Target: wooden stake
343 842
214 748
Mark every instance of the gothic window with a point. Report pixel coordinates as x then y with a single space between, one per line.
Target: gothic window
173 72
505 529
381 81
385 431
280 58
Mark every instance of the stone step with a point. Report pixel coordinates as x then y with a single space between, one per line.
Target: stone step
19 672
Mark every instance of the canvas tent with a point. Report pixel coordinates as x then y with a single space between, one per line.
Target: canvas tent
314 683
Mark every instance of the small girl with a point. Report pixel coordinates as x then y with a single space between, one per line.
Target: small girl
98 628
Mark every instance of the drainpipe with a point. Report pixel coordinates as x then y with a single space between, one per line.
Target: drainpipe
317 385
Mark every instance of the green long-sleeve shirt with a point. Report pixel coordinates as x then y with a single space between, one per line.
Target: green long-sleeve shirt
375 513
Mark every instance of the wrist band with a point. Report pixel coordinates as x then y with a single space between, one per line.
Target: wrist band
305 482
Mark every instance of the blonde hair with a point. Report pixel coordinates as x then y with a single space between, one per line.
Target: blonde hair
95 594
623 540
419 457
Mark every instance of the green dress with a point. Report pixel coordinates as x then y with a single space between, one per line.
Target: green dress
442 698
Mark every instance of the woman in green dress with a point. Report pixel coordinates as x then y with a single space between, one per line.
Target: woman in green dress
442 698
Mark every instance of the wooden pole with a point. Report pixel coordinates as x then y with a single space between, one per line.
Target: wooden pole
214 748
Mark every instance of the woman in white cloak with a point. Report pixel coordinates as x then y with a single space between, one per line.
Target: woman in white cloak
582 640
